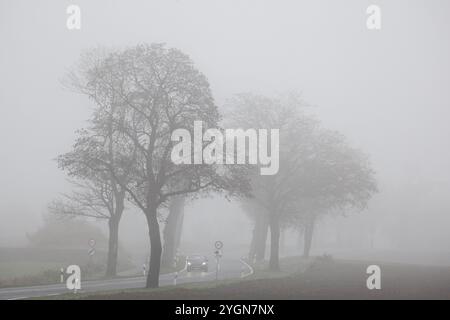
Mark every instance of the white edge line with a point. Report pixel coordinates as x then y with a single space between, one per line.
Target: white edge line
179 272
248 266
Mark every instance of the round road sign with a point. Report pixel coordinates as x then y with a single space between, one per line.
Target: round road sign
92 243
218 245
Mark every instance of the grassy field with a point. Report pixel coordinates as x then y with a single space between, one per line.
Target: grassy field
320 279
34 266
22 272
11 270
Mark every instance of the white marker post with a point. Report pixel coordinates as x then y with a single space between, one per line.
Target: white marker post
77 285
143 269
91 251
175 277
62 275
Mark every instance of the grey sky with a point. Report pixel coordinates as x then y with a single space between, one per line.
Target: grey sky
387 90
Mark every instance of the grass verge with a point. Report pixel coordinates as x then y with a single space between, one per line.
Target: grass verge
321 278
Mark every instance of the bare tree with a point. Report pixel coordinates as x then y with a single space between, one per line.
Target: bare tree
271 193
95 199
318 171
340 178
155 90
102 194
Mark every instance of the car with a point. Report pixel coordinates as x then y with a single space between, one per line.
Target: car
197 262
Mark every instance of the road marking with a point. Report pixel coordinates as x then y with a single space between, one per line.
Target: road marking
31 289
179 272
249 267
92 285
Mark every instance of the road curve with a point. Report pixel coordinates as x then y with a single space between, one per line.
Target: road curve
229 269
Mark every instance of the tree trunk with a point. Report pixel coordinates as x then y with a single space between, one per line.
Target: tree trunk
309 228
274 262
262 239
113 246
259 239
282 241
155 249
113 242
179 232
252 251
301 239
172 231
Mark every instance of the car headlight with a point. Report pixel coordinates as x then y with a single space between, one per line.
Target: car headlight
204 263
189 263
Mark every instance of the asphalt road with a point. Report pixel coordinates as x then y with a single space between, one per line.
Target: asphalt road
229 269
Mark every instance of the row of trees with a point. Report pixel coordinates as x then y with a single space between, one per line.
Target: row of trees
141 95
319 172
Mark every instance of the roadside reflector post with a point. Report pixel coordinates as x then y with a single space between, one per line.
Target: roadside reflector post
175 276
61 273
77 284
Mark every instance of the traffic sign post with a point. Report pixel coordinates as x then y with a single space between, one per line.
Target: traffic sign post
218 245
218 254
91 252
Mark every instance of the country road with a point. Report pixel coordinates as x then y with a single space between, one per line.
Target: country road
229 269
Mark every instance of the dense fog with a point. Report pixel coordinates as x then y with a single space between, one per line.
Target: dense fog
385 90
